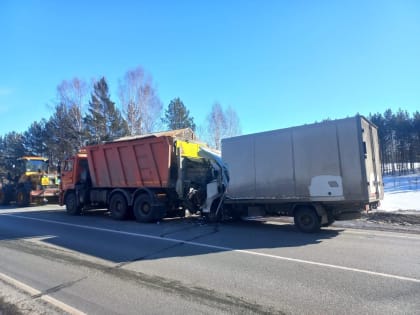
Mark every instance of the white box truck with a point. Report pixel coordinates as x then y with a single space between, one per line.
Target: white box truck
316 173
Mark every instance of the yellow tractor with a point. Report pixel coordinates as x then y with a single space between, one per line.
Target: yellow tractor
29 181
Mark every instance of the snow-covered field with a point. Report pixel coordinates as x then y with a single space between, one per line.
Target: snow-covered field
401 193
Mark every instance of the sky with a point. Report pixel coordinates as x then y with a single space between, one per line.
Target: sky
277 63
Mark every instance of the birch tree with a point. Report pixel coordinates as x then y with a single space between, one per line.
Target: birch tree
74 95
139 101
216 125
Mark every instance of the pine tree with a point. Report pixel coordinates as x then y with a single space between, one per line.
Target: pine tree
12 148
177 116
34 138
103 121
61 137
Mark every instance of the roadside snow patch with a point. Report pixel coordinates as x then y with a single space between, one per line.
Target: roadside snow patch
401 193
409 200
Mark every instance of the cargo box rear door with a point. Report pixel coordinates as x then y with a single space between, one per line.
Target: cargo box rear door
372 160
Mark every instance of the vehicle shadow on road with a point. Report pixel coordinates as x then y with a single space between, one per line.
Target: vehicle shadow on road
96 234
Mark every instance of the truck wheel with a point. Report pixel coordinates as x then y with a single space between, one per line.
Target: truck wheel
142 209
72 206
22 197
4 198
307 220
118 207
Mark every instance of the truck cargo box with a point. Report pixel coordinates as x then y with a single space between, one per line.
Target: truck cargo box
332 161
140 162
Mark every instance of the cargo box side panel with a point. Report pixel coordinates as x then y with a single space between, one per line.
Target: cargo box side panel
238 153
129 165
153 162
274 165
98 167
317 163
114 167
349 143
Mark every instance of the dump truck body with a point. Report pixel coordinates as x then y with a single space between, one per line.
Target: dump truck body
143 163
152 176
333 167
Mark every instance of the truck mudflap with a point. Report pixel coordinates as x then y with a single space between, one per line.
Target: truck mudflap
322 213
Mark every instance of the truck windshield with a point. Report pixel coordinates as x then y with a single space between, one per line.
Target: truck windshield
36 166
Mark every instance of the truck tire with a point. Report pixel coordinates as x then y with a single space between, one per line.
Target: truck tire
118 207
142 209
4 198
72 206
307 220
22 197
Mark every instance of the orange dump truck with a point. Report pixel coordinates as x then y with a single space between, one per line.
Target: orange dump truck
150 177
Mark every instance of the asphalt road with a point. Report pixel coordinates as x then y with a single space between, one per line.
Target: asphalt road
96 265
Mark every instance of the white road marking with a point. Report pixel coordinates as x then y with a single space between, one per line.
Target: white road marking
34 292
223 248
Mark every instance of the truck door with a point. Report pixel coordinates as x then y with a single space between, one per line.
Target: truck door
67 175
372 160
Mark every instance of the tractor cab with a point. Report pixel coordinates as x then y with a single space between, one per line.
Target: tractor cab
29 181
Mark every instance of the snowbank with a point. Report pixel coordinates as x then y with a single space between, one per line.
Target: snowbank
401 193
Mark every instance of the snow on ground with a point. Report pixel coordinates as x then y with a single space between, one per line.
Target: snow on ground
401 193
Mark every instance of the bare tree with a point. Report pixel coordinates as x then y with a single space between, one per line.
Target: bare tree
233 126
221 124
73 94
216 125
140 102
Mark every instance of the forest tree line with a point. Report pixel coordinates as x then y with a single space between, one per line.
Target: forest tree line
399 139
85 114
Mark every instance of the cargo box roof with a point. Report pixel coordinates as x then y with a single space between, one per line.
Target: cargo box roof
185 134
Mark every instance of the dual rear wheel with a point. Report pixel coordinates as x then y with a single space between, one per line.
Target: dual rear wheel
142 209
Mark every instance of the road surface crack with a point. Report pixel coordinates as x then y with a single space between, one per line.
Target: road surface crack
58 288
